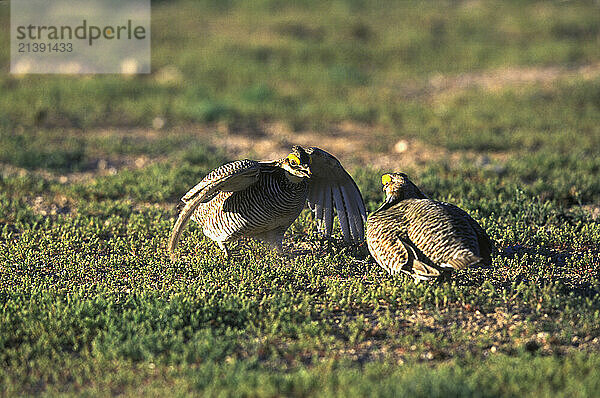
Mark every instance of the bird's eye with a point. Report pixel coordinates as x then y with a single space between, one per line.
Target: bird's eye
293 159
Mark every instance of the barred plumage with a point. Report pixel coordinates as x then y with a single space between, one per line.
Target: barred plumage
262 199
422 237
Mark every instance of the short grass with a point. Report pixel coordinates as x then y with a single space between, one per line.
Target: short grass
90 303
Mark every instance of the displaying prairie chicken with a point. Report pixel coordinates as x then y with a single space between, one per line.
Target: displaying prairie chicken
422 237
261 199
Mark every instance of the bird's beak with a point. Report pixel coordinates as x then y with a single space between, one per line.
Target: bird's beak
391 195
307 171
389 201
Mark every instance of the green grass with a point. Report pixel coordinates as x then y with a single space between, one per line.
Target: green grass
91 305
309 64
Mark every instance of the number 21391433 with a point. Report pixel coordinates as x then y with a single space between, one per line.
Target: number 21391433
45 47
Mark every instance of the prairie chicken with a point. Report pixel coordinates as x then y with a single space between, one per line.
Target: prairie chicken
422 237
262 199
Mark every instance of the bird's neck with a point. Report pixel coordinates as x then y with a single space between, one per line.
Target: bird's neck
292 178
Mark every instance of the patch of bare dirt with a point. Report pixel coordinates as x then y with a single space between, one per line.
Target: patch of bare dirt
97 167
495 80
354 144
99 163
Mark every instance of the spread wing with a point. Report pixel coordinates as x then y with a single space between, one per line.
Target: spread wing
231 177
330 186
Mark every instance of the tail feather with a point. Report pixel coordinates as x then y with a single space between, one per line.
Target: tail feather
463 261
184 216
424 271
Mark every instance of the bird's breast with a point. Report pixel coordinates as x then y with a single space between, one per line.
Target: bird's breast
273 201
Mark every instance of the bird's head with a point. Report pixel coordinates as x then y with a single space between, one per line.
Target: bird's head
297 163
397 187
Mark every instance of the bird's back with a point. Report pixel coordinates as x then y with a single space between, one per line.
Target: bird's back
441 232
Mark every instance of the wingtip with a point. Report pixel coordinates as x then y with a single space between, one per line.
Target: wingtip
171 249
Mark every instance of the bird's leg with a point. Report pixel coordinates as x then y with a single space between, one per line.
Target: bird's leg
233 249
277 244
223 247
273 238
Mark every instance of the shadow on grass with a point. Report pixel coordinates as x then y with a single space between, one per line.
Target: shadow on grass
568 269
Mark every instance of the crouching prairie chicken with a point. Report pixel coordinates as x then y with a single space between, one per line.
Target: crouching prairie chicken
422 237
261 199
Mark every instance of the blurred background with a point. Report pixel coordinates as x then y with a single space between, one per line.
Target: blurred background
385 85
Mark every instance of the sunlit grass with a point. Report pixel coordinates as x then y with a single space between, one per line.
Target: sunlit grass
91 304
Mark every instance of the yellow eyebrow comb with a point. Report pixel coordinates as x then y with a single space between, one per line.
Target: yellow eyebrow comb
291 156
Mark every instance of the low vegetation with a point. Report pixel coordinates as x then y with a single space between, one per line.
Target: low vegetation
91 304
